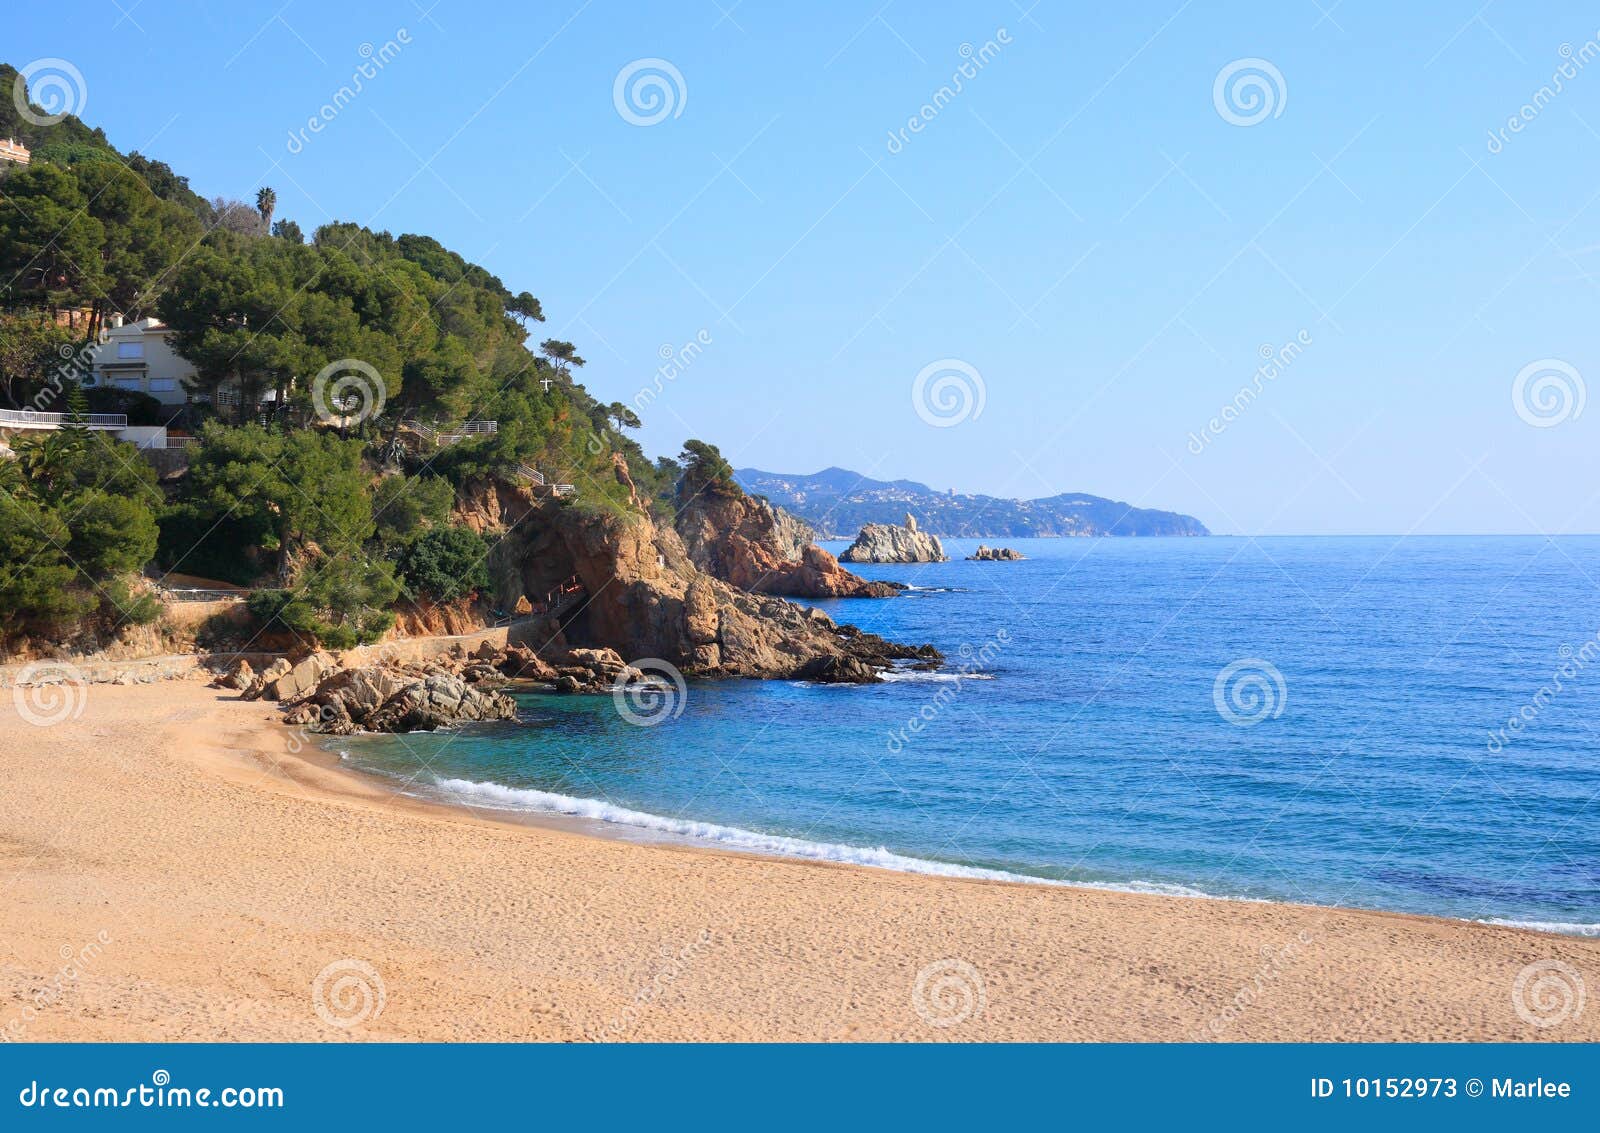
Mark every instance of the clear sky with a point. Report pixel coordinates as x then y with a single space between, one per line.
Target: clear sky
1081 225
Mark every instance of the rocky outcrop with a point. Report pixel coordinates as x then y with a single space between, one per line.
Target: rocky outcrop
889 543
645 598
377 698
748 543
986 554
284 680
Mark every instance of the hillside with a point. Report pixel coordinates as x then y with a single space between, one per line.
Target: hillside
837 501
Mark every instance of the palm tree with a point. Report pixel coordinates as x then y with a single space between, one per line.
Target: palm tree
266 201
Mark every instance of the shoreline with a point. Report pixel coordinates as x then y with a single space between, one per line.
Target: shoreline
231 870
728 840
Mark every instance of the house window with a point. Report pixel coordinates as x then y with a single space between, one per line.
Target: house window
125 383
130 350
163 385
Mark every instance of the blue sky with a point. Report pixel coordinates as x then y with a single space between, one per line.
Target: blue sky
1081 226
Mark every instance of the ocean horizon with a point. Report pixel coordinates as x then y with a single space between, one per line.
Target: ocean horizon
1363 721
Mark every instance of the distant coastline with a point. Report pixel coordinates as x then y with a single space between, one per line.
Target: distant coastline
838 503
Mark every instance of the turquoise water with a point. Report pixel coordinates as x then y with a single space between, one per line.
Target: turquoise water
1360 755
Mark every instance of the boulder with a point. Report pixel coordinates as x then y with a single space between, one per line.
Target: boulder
240 676
266 678
986 554
300 679
376 699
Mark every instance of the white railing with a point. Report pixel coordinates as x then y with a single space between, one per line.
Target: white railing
30 419
455 433
565 489
531 474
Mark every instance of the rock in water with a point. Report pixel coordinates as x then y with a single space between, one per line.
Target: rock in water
886 543
985 554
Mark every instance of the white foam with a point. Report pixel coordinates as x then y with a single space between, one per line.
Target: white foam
500 797
1565 928
909 675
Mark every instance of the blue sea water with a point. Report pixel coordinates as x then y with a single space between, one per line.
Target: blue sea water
1324 720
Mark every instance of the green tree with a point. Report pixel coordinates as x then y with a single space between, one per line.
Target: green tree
562 356
110 534
445 563
705 470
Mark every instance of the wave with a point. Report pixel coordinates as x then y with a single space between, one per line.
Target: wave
1564 928
498 796
909 675
938 589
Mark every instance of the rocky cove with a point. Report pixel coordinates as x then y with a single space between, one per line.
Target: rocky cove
601 592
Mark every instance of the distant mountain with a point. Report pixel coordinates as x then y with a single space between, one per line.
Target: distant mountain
837 501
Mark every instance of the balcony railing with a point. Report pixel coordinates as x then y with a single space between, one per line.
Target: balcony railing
29 419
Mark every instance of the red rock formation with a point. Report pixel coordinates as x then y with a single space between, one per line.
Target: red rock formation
745 541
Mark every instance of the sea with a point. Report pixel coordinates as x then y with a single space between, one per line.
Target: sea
1400 723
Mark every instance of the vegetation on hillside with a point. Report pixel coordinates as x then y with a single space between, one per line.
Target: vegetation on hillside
327 496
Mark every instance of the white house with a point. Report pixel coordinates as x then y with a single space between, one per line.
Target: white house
139 356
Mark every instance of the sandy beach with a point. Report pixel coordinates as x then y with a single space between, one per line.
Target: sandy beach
172 871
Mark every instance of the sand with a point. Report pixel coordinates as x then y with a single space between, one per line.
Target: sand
171 870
